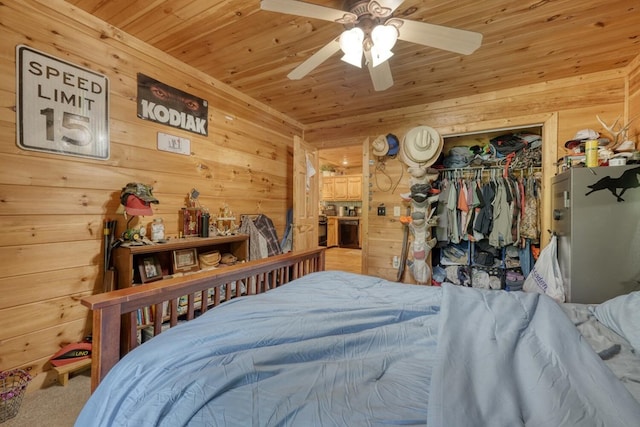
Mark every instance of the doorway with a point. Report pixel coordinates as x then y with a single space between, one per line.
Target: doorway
348 256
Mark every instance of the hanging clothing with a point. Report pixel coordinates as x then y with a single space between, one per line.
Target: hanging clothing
263 239
257 242
443 213
268 230
452 202
501 232
287 240
484 222
529 227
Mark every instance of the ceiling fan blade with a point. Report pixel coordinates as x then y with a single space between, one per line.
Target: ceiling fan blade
299 8
438 36
381 75
391 4
314 60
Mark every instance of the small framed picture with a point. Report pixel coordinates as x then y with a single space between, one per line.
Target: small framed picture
150 269
185 260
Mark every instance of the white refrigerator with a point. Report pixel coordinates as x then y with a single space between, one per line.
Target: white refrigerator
596 216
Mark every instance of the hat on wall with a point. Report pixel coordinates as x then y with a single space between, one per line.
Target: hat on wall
394 144
136 198
136 206
141 191
380 146
421 146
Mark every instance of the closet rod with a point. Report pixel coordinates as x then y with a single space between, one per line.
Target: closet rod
488 168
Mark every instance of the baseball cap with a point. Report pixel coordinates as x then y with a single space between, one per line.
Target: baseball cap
394 144
141 191
136 206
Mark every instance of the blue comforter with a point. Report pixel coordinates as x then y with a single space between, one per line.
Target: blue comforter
339 349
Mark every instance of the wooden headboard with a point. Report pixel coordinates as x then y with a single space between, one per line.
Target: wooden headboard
111 308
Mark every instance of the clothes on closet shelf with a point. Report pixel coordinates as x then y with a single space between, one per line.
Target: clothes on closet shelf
519 149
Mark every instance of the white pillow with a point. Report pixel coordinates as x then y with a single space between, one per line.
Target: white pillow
622 315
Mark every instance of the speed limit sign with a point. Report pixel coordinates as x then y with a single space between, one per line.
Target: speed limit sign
62 108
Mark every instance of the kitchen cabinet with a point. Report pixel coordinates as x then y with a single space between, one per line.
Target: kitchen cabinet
345 187
332 231
340 188
354 187
328 185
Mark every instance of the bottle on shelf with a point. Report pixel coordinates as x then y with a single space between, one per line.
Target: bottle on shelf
157 230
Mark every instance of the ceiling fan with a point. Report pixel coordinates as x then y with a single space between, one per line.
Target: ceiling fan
371 31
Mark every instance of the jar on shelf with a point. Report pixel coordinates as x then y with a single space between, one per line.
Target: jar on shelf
157 229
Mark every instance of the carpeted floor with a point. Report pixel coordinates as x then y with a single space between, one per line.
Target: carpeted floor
54 406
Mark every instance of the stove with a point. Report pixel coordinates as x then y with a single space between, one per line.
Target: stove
322 230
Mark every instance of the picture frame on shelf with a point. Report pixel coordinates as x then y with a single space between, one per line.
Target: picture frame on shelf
185 260
150 269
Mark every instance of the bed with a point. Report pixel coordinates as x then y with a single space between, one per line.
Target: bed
340 349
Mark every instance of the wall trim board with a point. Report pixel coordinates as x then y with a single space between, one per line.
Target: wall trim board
545 97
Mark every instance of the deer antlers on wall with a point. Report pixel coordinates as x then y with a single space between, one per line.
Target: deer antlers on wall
616 134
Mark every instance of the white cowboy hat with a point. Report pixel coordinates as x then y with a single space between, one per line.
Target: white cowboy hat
380 146
421 146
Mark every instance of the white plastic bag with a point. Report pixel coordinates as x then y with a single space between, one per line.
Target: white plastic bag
545 277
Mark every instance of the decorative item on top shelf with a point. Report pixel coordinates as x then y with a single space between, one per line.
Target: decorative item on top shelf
327 170
225 224
191 221
185 260
620 141
157 230
191 215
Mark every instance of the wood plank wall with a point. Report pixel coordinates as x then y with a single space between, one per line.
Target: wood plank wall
633 105
567 106
53 207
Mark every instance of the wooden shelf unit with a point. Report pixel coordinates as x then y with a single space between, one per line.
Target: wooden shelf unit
126 259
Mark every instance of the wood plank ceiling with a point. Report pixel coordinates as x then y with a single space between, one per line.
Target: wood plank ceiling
525 42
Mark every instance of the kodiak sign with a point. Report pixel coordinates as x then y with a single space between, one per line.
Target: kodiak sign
160 103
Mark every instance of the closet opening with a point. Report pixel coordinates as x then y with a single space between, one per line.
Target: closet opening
489 213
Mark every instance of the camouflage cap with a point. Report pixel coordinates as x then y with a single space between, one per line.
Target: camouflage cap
141 191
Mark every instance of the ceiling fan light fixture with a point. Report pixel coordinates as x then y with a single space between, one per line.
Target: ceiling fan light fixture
351 43
384 37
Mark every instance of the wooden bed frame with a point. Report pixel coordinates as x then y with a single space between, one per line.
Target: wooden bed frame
111 308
